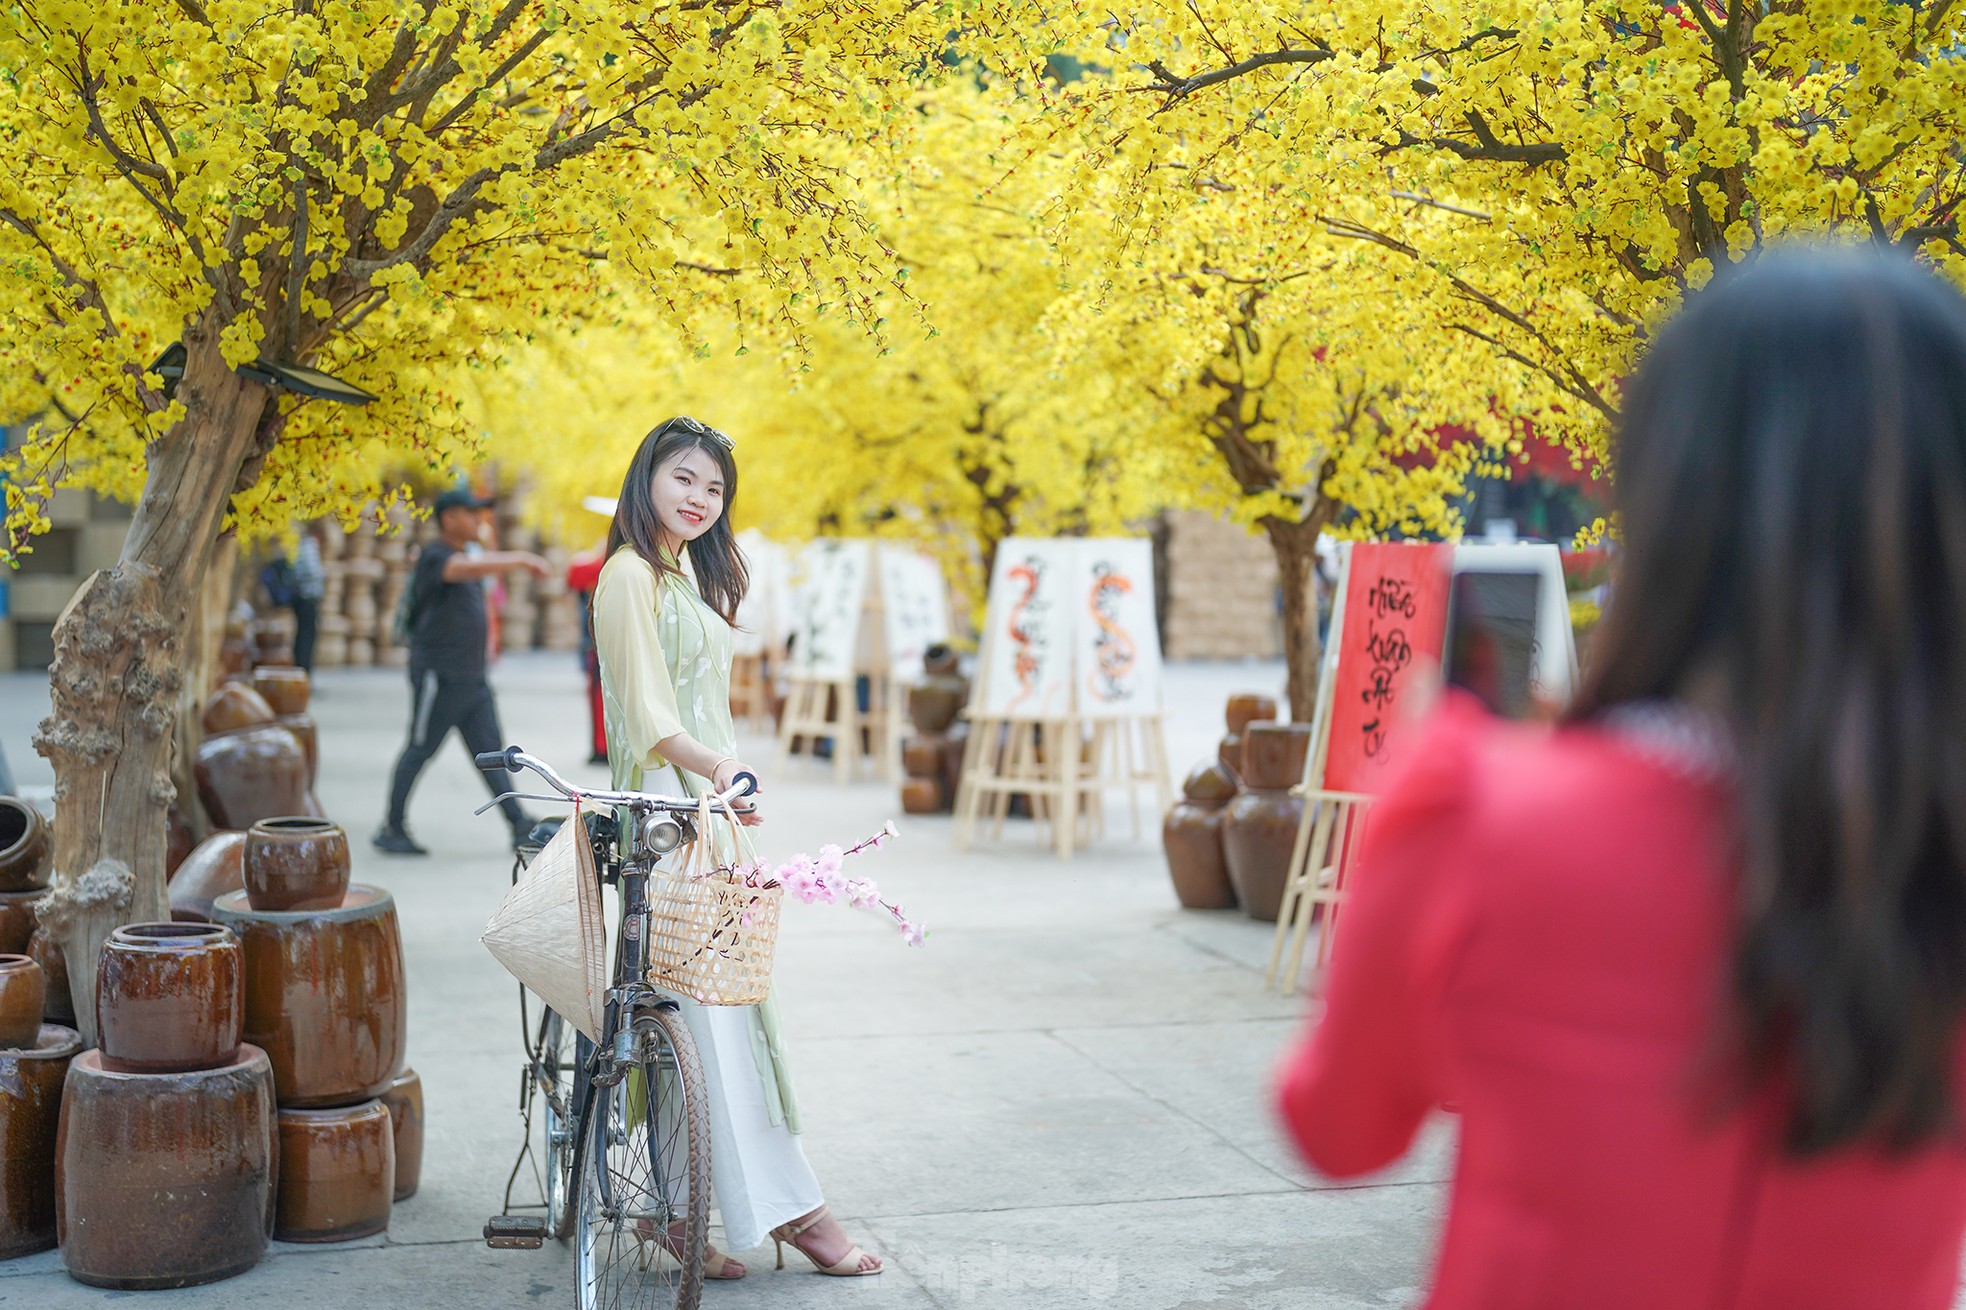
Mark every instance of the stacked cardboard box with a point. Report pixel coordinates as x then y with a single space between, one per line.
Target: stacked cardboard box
1221 591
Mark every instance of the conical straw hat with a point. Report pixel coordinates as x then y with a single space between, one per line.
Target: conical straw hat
548 934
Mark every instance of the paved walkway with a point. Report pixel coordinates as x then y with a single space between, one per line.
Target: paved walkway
1061 1100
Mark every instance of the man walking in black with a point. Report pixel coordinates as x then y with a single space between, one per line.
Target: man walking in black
447 632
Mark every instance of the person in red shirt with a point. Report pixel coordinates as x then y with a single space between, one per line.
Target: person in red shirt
1690 965
583 575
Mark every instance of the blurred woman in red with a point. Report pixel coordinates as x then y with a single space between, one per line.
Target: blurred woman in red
1692 966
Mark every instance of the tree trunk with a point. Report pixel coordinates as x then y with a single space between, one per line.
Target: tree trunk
205 626
121 651
1295 547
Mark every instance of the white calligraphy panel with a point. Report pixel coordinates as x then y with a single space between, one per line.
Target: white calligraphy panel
914 609
832 589
1119 656
1029 628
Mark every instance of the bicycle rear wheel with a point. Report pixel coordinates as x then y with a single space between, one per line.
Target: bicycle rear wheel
643 1210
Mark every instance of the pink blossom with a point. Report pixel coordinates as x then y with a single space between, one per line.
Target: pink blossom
862 894
912 933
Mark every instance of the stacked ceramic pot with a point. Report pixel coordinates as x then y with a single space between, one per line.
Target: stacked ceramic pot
25 848
1259 830
324 995
165 1161
1243 709
249 767
34 1059
1192 838
932 758
286 691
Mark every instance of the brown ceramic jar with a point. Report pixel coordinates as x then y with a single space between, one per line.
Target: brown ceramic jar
1247 707
1259 830
17 920
295 863
233 707
23 995
284 688
337 1173
252 774
165 1180
44 950
308 734
324 994
182 841
272 643
169 997
921 796
30 1114
24 842
404 1101
1192 838
216 867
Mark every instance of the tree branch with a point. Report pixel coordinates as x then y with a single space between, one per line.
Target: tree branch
1177 88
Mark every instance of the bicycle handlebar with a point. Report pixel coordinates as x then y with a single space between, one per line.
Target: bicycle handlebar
514 759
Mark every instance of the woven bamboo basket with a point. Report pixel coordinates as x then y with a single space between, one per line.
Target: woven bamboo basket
712 938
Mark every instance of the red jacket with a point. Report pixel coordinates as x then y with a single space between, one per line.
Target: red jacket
1540 937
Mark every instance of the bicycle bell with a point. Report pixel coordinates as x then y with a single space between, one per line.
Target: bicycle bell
661 833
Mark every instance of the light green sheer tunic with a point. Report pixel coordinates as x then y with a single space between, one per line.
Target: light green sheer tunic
665 668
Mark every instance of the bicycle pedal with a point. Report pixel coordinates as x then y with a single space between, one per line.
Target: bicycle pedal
515 1232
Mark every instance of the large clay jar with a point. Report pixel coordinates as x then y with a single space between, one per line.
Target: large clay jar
1260 828
324 994
17 920
337 1173
44 950
272 643
404 1101
23 846
934 702
295 863
165 1180
182 841
233 707
169 997
1192 838
23 993
216 867
285 688
30 1115
252 774
1243 709
308 734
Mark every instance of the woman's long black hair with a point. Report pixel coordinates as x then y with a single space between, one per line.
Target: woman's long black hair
721 575
1791 473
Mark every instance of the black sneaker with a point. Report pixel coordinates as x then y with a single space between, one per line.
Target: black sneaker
396 842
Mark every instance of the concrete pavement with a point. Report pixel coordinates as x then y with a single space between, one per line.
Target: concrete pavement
1060 1100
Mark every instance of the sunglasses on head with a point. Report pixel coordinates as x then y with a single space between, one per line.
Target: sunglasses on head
688 424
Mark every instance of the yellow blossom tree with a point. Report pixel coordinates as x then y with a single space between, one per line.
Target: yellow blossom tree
377 191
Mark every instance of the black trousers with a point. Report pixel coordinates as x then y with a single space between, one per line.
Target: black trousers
307 626
438 704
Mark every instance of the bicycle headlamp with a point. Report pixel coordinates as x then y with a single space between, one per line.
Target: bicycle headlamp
661 833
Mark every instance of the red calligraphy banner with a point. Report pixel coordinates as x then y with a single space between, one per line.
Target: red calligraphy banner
1395 625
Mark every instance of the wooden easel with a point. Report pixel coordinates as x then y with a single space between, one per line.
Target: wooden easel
750 692
1038 758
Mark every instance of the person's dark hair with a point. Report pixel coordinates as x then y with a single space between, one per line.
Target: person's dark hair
1791 474
721 575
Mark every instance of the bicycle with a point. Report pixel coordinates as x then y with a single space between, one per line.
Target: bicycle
625 1127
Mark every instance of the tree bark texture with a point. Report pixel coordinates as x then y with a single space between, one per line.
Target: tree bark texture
1295 547
205 628
121 656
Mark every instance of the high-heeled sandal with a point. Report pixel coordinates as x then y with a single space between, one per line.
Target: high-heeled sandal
848 1265
647 1236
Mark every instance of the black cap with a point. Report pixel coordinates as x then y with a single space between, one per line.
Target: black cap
459 498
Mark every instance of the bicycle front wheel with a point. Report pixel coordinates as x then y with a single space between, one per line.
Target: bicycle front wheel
553 1066
643 1212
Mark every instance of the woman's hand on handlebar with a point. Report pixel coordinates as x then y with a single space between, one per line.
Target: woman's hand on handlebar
726 778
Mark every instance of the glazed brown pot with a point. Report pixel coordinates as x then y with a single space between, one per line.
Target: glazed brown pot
285 688
165 1179
308 734
934 703
17 921
921 757
252 774
1259 832
215 867
921 796
24 841
272 643
324 994
295 863
337 1173
23 995
235 654
233 707
404 1101
169 997
59 1007
1228 754
1192 837
30 1115
1273 755
1247 707
1211 784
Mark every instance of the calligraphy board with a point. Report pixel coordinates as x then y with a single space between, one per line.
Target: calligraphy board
1389 642
1118 644
914 609
762 619
826 638
1029 629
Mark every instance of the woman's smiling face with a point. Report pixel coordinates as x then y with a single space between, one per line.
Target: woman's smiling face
689 495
